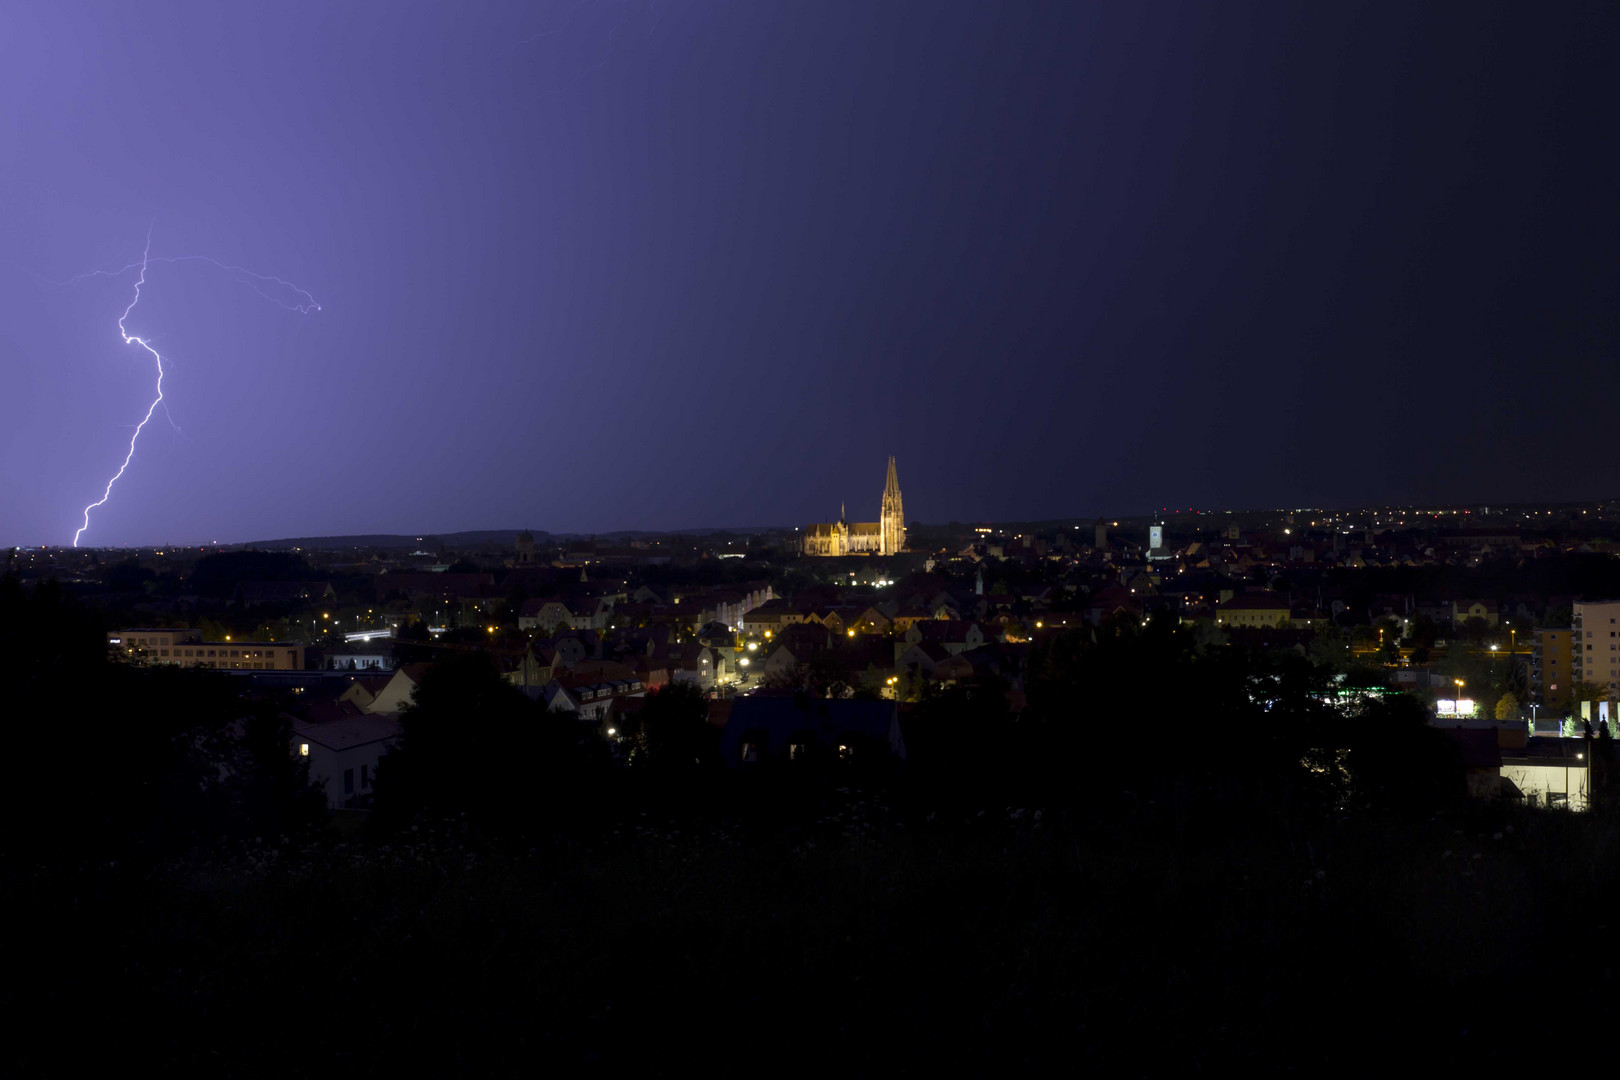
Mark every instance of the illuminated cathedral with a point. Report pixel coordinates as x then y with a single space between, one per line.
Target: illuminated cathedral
883 537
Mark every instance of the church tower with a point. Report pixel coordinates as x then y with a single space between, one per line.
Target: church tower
893 518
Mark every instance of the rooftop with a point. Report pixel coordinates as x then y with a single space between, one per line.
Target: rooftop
349 731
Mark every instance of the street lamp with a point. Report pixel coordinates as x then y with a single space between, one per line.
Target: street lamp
1456 702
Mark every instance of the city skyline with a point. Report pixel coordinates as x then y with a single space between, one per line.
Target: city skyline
459 627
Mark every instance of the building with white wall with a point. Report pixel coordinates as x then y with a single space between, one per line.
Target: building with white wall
343 755
1549 772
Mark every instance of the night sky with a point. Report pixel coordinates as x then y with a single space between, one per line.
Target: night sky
587 266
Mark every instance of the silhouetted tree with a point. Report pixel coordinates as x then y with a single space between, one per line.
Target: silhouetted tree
475 744
130 576
160 757
1422 632
675 734
1399 761
218 575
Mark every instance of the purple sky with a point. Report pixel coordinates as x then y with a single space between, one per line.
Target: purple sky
698 262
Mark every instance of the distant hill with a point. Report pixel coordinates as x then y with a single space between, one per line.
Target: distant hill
408 542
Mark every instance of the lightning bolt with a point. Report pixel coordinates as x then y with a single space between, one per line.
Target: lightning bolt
130 339
304 304
257 282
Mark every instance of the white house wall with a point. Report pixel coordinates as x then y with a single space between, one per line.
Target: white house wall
1539 781
326 769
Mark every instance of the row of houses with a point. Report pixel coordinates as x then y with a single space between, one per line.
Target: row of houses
344 740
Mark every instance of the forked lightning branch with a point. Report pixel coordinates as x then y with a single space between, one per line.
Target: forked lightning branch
304 304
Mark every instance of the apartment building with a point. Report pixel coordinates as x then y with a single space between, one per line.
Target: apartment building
1552 667
1595 647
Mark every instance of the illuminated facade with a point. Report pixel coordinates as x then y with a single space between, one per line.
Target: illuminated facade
1248 611
1595 644
886 536
187 648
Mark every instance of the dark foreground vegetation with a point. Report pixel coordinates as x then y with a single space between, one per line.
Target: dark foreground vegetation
860 940
1255 879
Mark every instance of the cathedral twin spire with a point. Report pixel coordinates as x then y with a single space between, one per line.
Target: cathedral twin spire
893 520
886 536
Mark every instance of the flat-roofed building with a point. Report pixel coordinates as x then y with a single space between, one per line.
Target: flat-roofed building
1595 649
1552 665
186 648
1549 772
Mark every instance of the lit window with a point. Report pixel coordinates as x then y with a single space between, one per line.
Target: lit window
303 749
